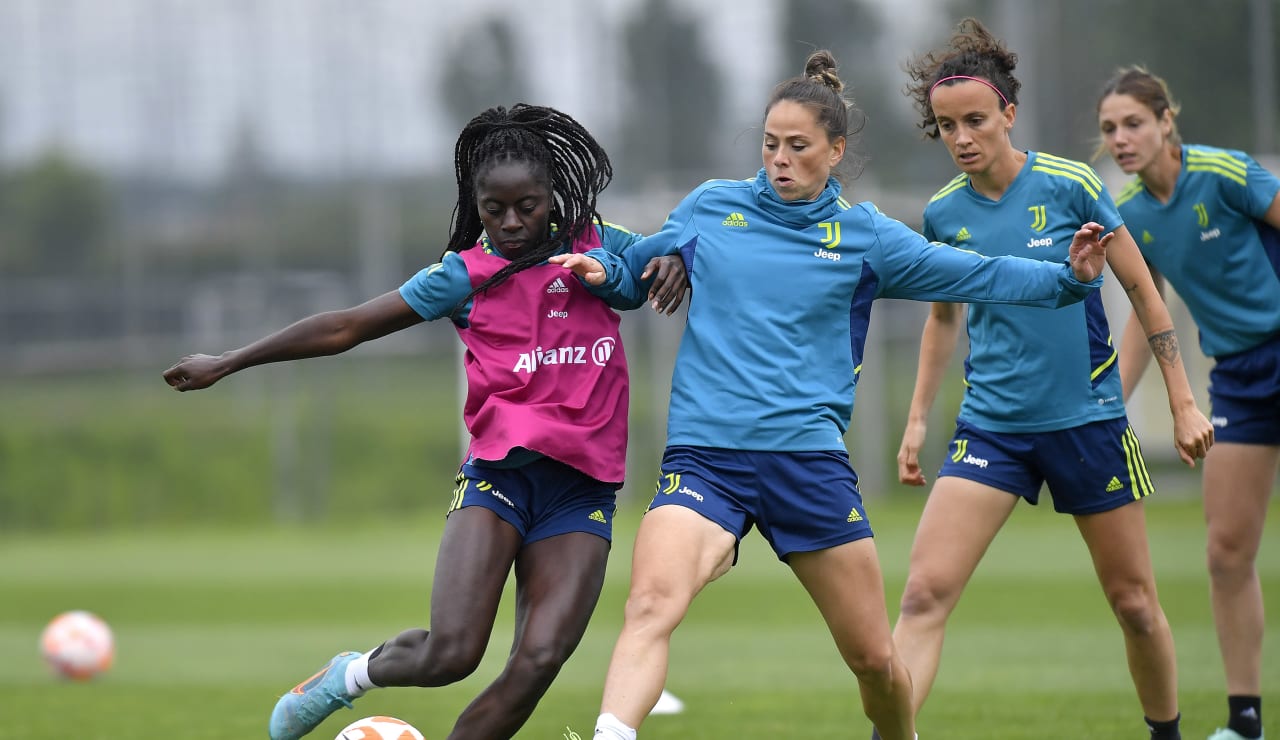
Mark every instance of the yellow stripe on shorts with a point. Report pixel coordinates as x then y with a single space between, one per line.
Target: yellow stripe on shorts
1138 474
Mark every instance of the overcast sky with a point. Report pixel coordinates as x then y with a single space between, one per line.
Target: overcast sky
327 85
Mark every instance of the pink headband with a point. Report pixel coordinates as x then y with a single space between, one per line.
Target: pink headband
967 77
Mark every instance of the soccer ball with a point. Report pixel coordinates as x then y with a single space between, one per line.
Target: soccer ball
379 728
78 645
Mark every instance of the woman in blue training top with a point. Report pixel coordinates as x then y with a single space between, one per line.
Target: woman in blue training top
784 271
1208 220
1042 402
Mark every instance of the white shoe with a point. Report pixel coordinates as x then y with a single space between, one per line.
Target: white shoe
668 703
1225 734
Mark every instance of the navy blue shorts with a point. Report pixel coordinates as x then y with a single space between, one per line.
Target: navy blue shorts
1090 468
541 499
1244 396
800 501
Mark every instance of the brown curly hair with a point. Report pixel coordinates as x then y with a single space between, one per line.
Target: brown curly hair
972 51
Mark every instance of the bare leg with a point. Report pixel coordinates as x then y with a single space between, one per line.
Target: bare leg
677 553
959 521
558 583
848 588
476 554
1117 541
1238 481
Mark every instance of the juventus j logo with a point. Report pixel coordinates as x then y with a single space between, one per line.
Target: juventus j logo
830 240
831 234
1202 215
1038 221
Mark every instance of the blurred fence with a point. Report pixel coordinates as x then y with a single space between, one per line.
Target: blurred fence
217 105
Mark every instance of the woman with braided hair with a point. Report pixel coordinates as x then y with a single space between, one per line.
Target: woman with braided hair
546 408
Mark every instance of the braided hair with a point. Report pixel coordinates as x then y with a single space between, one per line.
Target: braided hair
560 152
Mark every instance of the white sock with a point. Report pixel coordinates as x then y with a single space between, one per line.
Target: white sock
357 676
609 727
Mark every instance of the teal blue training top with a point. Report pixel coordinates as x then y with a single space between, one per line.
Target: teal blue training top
1030 370
1212 245
782 295
434 291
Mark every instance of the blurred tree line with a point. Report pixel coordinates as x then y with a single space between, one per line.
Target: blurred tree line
54 214
65 224
1068 50
59 215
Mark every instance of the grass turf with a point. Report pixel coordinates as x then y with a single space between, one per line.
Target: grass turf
212 625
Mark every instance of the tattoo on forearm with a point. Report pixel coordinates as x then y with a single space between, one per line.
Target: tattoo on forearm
1164 346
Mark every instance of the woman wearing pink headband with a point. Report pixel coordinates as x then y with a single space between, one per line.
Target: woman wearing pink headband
1042 401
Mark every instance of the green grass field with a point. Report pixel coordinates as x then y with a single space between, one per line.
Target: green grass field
212 625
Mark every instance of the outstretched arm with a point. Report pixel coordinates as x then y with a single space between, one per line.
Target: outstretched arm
1192 432
328 333
911 267
937 344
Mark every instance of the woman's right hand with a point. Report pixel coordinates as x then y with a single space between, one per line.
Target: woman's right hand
587 268
194 372
909 454
1088 252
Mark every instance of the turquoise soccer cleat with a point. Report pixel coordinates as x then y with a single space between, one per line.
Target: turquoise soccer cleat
299 711
1226 734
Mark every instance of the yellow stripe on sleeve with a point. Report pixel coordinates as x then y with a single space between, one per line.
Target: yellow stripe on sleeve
1220 158
1129 192
956 183
1080 168
1089 186
1218 163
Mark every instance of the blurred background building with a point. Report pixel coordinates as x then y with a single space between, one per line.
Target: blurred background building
180 176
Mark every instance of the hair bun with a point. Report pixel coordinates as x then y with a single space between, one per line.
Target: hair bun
821 67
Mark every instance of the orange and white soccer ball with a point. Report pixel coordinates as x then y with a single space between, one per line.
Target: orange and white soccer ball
78 645
379 728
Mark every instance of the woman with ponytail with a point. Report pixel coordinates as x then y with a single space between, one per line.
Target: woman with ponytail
1209 220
